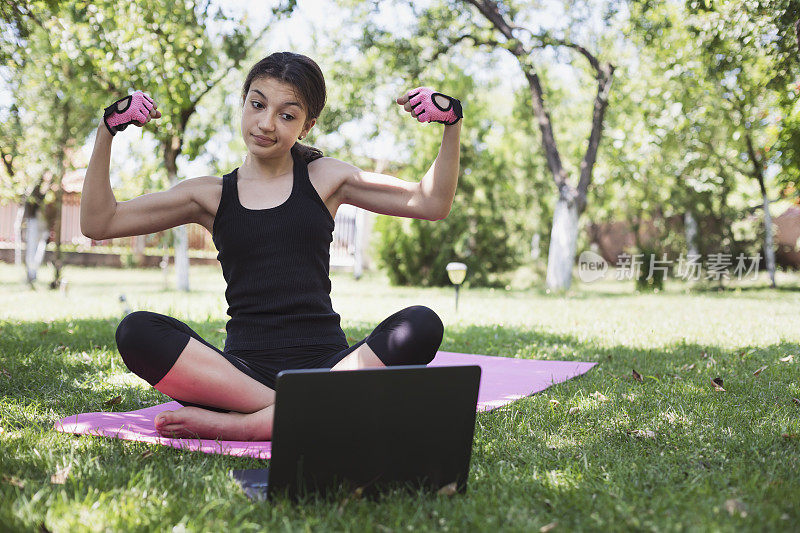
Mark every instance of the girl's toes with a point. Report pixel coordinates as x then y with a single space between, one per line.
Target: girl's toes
163 418
173 432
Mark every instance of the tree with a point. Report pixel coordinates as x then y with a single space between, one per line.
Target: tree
446 24
728 45
48 117
781 20
673 152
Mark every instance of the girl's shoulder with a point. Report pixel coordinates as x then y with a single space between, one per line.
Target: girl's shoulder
207 192
327 174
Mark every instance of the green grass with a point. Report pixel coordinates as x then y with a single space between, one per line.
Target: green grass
667 453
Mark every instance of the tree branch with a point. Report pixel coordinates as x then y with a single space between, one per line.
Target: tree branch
8 161
490 10
546 40
219 78
589 158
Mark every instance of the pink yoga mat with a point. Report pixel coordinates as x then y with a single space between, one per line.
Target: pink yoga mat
503 380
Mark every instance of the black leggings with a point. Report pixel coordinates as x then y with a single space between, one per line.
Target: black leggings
150 343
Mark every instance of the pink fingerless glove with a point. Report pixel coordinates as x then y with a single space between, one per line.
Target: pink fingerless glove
428 108
132 109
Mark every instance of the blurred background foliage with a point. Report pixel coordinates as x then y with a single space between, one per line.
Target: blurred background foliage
697 85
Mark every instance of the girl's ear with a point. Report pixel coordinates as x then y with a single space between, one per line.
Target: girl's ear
308 126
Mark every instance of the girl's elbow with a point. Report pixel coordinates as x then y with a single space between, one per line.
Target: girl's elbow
441 214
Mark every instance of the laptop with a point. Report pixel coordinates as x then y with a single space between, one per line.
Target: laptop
368 432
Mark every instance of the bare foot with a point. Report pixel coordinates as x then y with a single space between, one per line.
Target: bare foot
195 422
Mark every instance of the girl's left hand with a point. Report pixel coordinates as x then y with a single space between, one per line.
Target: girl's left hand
429 106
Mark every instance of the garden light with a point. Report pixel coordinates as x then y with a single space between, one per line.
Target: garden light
456 272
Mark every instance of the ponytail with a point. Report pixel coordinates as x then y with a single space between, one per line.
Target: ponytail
308 153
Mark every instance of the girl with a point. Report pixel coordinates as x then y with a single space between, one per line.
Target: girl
272 221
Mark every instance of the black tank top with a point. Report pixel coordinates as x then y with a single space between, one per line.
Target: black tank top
276 263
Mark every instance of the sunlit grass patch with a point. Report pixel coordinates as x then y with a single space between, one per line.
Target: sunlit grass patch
644 441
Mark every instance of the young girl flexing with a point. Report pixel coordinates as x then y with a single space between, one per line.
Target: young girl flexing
272 221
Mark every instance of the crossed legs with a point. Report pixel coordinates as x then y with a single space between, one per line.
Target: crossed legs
201 375
198 373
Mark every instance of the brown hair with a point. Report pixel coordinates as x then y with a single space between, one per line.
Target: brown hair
305 76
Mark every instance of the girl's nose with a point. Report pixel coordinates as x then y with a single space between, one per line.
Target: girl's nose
266 123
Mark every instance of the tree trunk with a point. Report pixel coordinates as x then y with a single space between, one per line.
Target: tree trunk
182 257
563 241
138 246
691 233
35 243
58 260
58 183
35 237
181 241
358 260
769 251
18 233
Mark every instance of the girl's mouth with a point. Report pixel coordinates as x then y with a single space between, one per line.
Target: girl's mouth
264 141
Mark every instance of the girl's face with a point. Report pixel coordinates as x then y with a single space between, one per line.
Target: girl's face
273 117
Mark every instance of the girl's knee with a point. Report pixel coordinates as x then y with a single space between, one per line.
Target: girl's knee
425 335
427 324
131 328
146 348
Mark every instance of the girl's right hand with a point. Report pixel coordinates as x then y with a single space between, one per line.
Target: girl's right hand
137 108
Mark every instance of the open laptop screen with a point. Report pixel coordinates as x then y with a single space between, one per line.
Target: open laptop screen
372 429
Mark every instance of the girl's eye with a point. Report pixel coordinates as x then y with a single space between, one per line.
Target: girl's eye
256 104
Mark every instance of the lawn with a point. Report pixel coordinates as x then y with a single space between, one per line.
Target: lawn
666 452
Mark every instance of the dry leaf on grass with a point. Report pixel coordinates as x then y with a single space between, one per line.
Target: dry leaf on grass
599 396
574 410
735 506
688 367
61 476
717 384
788 359
796 400
113 401
637 376
549 527
642 433
789 435
11 480
555 403
145 454
760 370
448 490
4 372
